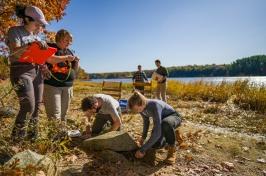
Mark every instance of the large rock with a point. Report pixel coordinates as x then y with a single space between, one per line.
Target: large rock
30 158
7 112
112 156
114 140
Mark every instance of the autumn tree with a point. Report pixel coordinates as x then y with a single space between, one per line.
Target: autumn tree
52 9
82 74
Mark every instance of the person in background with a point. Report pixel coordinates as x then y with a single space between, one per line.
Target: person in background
165 123
162 83
107 110
58 87
26 78
139 77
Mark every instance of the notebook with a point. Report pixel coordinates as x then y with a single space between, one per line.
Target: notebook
34 54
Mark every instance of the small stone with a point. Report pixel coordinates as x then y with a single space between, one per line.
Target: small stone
218 166
245 149
7 112
29 157
218 174
261 160
206 167
216 171
228 165
264 172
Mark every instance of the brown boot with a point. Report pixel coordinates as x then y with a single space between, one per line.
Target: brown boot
150 157
179 137
171 155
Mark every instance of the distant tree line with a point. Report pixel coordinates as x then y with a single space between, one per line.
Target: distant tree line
249 66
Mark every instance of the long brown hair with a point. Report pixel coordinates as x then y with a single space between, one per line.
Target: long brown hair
136 99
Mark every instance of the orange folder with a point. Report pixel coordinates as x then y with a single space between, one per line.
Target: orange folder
34 54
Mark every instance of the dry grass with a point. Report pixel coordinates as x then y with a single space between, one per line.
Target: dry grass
55 144
248 96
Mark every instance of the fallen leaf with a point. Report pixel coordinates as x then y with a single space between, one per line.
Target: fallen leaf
189 158
40 173
15 149
245 149
218 146
183 146
71 158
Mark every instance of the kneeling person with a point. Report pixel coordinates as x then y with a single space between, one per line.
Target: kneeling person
107 110
165 122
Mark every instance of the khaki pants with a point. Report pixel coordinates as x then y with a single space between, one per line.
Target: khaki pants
56 101
161 91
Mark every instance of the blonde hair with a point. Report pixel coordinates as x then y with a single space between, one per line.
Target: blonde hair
136 99
62 33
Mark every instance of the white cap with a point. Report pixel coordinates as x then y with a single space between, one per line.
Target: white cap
35 13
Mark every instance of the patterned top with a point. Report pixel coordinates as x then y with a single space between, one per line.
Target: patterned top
139 76
21 37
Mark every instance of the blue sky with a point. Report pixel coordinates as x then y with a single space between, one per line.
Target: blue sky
117 35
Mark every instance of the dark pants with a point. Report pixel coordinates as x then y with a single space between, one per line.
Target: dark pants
28 83
101 122
140 88
169 124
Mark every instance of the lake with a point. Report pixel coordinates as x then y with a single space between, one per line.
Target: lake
259 80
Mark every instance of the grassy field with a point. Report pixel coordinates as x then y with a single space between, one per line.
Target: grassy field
222 123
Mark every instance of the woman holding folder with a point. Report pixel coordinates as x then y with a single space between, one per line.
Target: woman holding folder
26 77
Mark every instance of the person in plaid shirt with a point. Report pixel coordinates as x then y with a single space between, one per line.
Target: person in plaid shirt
140 76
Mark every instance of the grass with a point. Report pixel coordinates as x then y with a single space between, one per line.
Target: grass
207 98
244 94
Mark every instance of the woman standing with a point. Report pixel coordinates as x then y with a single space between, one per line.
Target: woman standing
58 89
26 77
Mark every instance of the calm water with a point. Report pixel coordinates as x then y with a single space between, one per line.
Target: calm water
259 80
